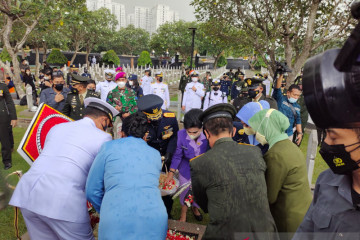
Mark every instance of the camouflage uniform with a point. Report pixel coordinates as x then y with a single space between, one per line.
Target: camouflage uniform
124 98
207 84
228 182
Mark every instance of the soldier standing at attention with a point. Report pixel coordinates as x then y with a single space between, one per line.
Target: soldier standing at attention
74 104
228 182
185 79
161 89
8 120
194 93
146 82
215 96
207 82
163 129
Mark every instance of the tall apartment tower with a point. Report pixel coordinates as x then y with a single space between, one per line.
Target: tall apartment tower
143 18
162 14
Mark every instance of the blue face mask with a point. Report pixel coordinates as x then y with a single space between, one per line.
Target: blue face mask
292 100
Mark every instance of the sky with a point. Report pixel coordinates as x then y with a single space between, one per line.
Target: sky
186 12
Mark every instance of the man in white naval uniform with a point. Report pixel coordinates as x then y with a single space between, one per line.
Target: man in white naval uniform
193 94
161 89
106 86
146 82
51 195
215 96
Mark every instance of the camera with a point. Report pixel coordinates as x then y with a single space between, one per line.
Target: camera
282 67
331 83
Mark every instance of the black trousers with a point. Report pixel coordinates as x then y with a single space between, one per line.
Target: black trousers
6 142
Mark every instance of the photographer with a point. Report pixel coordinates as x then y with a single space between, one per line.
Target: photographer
288 106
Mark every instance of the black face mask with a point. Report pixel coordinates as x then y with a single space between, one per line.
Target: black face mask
216 88
59 87
91 89
338 159
155 123
104 127
252 93
160 79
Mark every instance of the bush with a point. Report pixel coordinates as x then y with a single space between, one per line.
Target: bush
111 58
144 59
56 57
5 56
222 61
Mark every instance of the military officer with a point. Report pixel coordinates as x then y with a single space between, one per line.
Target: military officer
51 195
106 86
207 82
226 84
8 120
228 181
255 94
185 79
73 70
162 132
146 82
237 85
161 89
74 104
215 96
194 93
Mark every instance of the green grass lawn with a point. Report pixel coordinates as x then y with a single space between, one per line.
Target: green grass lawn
7 215
19 109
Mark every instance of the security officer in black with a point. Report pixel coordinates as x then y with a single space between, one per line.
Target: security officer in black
185 79
237 85
255 94
8 120
162 132
74 104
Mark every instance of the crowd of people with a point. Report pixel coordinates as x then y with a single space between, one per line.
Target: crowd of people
237 155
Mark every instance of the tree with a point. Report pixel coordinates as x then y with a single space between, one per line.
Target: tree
144 59
5 56
175 38
98 29
299 26
131 40
222 61
27 15
110 57
56 57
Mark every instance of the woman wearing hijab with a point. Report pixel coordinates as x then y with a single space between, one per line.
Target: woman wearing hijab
191 143
123 184
286 176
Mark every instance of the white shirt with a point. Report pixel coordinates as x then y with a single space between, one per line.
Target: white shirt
55 184
214 97
267 83
162 90
145 84
104 88
192 99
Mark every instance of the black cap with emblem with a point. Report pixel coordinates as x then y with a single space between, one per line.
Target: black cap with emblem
221 110
151 105
76 79
254 82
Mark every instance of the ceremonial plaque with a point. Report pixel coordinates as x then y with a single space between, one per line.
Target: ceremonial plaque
33 141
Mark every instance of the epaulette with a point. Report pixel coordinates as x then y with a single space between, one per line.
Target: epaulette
246 144
195 157
169 115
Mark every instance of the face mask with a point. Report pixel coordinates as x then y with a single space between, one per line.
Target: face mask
193 137
46 78
85 71
149 74
338 159
249 131
59 87
121 84
131 83
160 79
216 88
104 127
194 79
292 100
238 88
252 93
91 89
260 138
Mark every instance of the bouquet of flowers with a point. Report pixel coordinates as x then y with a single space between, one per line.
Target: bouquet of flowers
174 235
168 188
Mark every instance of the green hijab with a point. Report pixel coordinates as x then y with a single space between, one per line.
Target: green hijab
272 124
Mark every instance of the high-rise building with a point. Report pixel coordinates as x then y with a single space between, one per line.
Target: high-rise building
143 18
131 19
115 8
162 14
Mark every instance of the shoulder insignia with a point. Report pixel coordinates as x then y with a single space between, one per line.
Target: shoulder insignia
246 144
196 157
169 115
241 131
167 127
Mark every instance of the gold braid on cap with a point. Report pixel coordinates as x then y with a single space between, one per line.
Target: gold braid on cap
154 116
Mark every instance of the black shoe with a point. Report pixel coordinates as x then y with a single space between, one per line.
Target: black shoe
198 217
7 166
